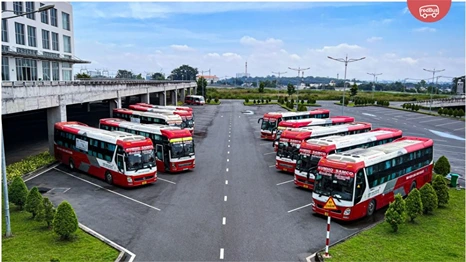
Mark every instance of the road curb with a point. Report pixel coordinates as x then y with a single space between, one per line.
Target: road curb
124 253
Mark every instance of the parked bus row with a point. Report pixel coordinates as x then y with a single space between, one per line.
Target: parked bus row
360 168
126 153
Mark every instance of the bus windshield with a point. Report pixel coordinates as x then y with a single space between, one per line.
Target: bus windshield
337 186
189 122
136 160
288 150
177 124
268 125
182 149
307 163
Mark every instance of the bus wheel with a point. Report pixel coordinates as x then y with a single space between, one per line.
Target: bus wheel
71 164
371 208
108 178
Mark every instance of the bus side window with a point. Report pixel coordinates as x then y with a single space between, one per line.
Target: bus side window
360 186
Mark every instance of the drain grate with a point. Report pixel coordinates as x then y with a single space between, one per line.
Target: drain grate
58 190
43 190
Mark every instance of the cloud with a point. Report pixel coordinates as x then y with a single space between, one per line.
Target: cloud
213 55
295 57
374 39
181 48
408 60
340 47
267 43
385 21
231 56
424 29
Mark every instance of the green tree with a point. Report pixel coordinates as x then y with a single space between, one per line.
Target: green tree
354 89
184 72
261 87
124 74
65 222
34 199
395 214
440 111
461 113
414 204
40 211
139 76
429 198
82 76
399 205
441 189
290 89
442 166
450 112
158 76
18 192
201 86
49 211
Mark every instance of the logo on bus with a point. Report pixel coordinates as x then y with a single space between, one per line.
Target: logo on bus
429 10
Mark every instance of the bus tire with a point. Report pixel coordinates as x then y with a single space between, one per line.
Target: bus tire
371 208
108 178
71 164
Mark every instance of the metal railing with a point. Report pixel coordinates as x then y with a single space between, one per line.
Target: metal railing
91 82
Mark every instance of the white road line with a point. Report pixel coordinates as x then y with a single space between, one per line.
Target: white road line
227 169
432 120
272 166
416 118
166 180
269 153
309 258
299 208
221 253
116 193
228 140
449 123
221 116
46 170
285 182
228 160
226 182
239 116
224 220
225 198
115 245
228 152
228 145
458 129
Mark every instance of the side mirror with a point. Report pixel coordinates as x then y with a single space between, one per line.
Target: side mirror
260 119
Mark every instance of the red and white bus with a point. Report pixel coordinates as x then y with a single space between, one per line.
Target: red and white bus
270 120
290 140
194 100
366 179
287 124
117 157
186 117
185 108
174 147
312 150
148 117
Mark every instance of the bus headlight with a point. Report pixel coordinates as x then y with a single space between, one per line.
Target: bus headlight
347 212
129 179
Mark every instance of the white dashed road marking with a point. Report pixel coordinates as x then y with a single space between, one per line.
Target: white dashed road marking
299 208
285 182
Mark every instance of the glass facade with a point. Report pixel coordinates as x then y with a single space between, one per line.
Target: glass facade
5 69
45 70
26 69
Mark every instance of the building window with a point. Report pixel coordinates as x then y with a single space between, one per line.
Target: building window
66 21
3 5
45 70
67 44
30 8
26 69
45 39
4 30
55 71
67 74
53 17
5 69
44 16
32 36
55 41
19 31
18 8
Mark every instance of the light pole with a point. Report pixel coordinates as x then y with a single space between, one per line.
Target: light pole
373 84
5 185
346 61
299 71
432 90
278 73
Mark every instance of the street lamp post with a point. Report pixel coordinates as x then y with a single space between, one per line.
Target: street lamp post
373 83
346 61
299 71
41 9
276 85
432 90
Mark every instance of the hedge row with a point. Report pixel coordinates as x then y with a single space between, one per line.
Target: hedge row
413 107
28 164
451 112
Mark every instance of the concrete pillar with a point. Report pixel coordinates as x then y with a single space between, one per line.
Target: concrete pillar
54 115
114 103
173 97
144 98
164 96
182 95
162 99
88 107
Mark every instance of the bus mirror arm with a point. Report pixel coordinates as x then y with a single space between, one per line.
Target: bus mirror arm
260 119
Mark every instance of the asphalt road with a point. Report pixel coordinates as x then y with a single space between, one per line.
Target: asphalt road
235 203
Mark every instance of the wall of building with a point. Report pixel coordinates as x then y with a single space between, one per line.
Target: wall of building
39 25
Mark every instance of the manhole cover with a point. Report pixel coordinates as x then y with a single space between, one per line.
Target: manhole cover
59 190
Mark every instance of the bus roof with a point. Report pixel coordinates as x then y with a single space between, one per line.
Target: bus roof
377 154
286 114
329 143
115 137
161 111
315 121
185 108
168 131
294 133
148 114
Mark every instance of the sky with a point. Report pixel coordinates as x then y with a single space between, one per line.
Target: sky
149 37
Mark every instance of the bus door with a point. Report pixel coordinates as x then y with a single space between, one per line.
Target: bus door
120 163
161 159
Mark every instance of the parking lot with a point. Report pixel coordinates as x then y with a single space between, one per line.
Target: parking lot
235 205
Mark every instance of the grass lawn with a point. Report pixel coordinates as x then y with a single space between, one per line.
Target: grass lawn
212 102
32 241
436 237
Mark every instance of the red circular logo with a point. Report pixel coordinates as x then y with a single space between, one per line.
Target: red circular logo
429 10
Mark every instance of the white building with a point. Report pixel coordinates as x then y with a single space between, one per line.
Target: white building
38 46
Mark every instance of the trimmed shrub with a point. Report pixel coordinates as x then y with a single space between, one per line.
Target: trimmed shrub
18 192
302 101
395 214
414 204
429 198
216 99
33 201
441 189
65 222
450 112
254 101
440 111
442 166
461 113
286 99
208 100
246 100
270 99
40 216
